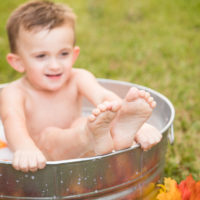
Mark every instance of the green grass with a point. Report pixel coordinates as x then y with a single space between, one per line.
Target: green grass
155 43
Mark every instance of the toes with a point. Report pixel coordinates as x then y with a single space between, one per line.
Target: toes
135 93
112 106
102 107
96 111
150 100
142 93
108 104
91 118
153 104
115 106
132 94
147 95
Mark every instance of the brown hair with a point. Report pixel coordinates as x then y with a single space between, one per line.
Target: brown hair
37 14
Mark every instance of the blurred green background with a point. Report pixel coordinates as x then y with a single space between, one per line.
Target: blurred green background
155 43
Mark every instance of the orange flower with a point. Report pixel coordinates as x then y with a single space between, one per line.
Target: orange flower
190 190
169 191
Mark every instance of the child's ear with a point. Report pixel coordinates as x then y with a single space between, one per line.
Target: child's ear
15 62
75 53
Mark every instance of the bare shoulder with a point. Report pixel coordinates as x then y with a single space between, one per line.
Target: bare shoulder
83 76
11 92
78 72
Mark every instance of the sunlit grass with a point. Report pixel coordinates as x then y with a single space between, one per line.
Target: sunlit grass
155 43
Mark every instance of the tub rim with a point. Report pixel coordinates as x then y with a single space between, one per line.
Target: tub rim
93 158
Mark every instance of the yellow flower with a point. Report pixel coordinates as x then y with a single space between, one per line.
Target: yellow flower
169 191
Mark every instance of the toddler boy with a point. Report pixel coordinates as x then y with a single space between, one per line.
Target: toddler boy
41 112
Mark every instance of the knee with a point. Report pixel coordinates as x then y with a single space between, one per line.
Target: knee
46 142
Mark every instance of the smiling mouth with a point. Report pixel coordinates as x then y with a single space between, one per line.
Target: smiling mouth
53 75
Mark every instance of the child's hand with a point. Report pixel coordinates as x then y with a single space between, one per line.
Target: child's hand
148 139
28 160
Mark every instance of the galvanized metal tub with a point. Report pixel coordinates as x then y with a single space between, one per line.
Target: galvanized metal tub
123 175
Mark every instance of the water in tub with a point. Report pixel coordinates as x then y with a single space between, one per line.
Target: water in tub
5 152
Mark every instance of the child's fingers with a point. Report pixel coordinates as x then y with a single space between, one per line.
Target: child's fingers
143 141
41 161
27 161
36 161
15 162
148 140
155 138
20 161
24 162
33 163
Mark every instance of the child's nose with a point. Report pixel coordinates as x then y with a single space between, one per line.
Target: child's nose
54 64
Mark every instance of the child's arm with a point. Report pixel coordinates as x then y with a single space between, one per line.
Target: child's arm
92 90
27 156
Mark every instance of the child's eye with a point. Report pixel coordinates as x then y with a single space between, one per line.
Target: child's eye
64 53
40 56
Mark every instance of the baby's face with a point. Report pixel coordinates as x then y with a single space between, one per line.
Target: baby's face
47 56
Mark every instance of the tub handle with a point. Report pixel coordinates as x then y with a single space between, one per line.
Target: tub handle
171 134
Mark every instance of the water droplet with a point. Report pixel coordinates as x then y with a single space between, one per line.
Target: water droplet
32 177
61 182
17 181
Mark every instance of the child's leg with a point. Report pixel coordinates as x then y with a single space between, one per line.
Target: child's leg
99 123
60 144
135 110
90 134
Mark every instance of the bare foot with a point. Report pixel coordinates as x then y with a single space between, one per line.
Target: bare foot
135 110
99 123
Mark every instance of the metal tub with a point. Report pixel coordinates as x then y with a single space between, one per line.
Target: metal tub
124 175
